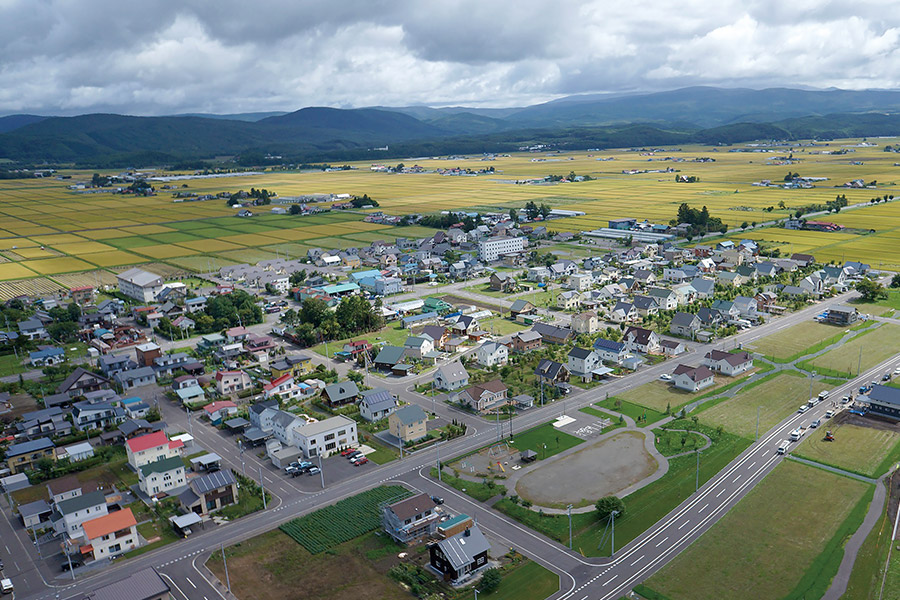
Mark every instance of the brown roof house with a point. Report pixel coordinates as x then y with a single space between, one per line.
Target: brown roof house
484 396
692 379
410 519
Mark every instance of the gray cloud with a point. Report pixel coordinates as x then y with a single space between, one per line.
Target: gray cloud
162 56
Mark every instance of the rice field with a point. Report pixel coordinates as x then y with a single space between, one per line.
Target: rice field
47 229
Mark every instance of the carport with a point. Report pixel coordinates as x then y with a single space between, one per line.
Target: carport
256 436
183 523
236 425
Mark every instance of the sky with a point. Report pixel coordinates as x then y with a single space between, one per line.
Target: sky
176 56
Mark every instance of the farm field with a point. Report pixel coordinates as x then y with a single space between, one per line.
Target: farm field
715 567
794 342
777 397
862 352
865 450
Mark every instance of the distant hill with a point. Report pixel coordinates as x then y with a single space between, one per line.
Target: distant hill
689 115
251 117
13 122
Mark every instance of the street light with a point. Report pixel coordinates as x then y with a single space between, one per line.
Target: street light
569 510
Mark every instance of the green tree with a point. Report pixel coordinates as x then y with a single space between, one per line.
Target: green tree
607 504
490 580
870 290
895 281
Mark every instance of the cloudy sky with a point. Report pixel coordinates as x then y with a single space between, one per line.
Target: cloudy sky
224 56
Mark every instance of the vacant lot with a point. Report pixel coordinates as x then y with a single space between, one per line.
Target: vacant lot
659 395
778 554
776 399
614 464
862 352
794 342
864 450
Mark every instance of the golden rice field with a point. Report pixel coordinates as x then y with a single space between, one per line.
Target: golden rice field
47 230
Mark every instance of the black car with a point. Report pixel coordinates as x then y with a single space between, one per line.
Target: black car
75 564
437 499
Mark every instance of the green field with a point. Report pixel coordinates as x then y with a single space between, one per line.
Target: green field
777 397
794 342
629 409
864 450
659 395
863 352
778 555
528 582
546 440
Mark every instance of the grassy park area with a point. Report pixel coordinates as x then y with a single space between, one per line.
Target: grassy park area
546 440
865 350
864 450
790 557
639 413
797 341
775 396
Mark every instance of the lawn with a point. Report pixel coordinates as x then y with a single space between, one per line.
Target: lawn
863 450
546 440
485 290
10 364
863 352
616 423
644 507
660 395
500 326
801 339
777 396
629 409
779 555
670 443
867 569
531 581
392 335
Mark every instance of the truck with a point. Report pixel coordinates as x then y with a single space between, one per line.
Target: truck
6 586
797 434
783 447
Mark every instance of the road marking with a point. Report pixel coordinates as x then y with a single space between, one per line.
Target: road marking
640 558
680 527
702 508
735 479
610 580
720 493
750 466
662 541
190 582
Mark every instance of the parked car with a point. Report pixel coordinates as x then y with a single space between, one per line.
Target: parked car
315 471
354 454
360 461
886 377
665 377
349 451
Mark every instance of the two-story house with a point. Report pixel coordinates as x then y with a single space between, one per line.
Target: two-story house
377 404
161 476
582 361
484 396
410 519
232 382
152 447
491 354
408 423
452 376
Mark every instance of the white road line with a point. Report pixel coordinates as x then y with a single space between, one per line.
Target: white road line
735 479
640 558
680 527
720 493
702 508
190 582
610 580
750 466
662 541
266 477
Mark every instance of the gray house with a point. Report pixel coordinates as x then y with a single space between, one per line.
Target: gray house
451 377
685 324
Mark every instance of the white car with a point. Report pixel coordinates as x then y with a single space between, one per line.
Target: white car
803 409
665 377
813 401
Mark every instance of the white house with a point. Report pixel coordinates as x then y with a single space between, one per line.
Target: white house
728 363
69 515
568 300
326 437
161 476
151 447
582 361
451 377
580 282
692 379
586 322
610 351
377 404
139 284
638 339
492 353
111 534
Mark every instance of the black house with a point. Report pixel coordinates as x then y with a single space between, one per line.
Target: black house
461 555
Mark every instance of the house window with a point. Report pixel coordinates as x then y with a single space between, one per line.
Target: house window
342 432
330 436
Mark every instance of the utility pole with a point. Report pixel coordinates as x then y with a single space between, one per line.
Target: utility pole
439 469
321 472
859 362
757 423
697 483
569 510
241 446
261 487
612 516
225 564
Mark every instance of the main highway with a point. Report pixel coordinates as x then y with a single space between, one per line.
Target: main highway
181 563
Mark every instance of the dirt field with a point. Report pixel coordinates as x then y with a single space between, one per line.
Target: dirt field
613 465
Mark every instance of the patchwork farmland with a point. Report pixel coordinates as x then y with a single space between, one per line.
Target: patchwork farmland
47 230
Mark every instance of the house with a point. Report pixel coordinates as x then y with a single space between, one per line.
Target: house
326 437
746 307
34 514
209 492
139 284
82 295
672 347
728 363
490 354
299 365
145 354
151 447
484 396
665 298
568 300
191 394
408 423
705 288
161 476
645 306
624 312
377 404
842 315
389 356
137 427
710 317
525 341
46 422
726 308
410 519
551 334
219 410
135 377
550 371
111 364
452 376
685 324
804 260
766 302
81 381
883 401
418 346
232 382
460 556
582 361
110 535
610 351
502 282
638 339
24 455
340 393
692 379
580 282
195 305
47 357
76 452
96 414
438 334
69 515
586 323
465 325
33 329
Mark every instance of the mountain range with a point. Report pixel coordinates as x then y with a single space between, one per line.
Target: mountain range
696 114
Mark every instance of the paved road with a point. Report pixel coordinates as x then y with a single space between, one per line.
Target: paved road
596 578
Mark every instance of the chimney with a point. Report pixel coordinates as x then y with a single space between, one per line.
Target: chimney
467 532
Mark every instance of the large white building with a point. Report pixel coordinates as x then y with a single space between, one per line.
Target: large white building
491 249
140 285
325 437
